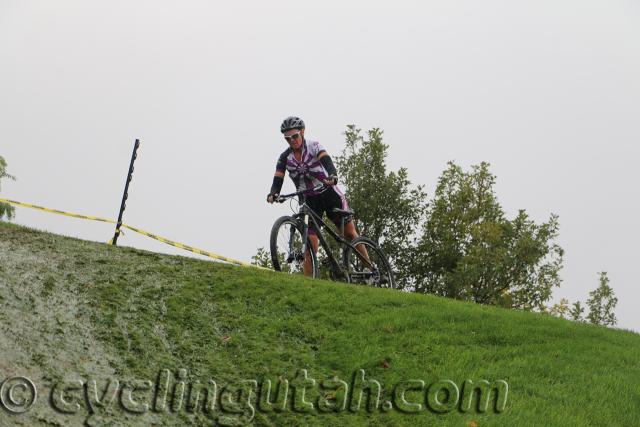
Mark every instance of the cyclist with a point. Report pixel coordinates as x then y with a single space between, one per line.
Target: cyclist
309 165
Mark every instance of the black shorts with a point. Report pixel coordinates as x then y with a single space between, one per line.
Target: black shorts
324 203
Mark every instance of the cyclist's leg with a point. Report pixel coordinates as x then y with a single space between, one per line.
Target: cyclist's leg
308 266
350 233
315 203
338 200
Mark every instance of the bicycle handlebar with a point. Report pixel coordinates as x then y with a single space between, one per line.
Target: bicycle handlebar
283 198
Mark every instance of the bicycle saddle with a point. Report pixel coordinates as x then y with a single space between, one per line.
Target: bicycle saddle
343 212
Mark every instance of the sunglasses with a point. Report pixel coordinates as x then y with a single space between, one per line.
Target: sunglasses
292 137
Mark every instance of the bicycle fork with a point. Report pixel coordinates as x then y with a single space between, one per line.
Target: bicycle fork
292 255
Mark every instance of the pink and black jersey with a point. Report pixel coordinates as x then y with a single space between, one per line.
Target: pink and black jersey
309 171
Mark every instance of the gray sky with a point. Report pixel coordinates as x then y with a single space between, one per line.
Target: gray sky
546 91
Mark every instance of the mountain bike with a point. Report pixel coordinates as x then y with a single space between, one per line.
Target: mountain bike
290 242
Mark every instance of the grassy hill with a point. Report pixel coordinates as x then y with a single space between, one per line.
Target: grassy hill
74 312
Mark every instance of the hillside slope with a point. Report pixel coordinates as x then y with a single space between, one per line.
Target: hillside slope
74 312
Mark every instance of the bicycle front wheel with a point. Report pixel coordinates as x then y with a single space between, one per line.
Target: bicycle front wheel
287 249
369 268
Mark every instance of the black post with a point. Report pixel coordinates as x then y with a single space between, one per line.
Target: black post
123 205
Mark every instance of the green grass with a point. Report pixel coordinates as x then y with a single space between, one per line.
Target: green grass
128 314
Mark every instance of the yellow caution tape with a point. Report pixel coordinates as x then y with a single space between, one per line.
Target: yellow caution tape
137 230
74 215
190 248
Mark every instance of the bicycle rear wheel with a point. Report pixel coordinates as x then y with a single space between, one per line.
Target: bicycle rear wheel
377 272
286 247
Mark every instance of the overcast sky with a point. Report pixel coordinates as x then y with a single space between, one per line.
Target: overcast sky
546 91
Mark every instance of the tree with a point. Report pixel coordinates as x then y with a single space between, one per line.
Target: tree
561 309
577 312
469 250
262 258
6 211
602 303
388 209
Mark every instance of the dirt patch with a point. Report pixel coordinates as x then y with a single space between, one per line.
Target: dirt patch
46 333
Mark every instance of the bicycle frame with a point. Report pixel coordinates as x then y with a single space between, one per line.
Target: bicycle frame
305 213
